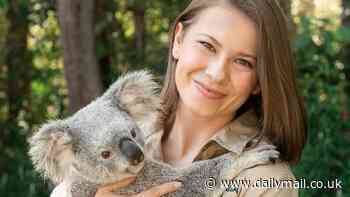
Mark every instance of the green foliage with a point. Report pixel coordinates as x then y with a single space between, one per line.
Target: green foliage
46 101
3 3
48 85
322 80
119 23
17 177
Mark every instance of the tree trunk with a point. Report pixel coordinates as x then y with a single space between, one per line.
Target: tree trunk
346 13
346 55
82 73
17 59
139 20
107 26
18 68
138 11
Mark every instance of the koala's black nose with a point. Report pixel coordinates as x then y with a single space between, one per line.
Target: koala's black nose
131 151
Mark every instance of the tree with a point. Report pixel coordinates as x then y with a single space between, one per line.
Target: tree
345 18
346 13
18 59
82 73
138 10
109 34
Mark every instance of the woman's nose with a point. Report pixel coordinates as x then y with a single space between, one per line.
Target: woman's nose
216 70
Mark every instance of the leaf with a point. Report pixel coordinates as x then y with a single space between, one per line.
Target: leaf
3 3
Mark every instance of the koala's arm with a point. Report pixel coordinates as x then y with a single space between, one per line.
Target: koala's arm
83 189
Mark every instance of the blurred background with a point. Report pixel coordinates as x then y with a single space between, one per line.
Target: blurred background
56 56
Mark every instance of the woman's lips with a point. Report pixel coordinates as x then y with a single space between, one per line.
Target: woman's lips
207 92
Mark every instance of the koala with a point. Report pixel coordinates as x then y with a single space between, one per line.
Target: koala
104 142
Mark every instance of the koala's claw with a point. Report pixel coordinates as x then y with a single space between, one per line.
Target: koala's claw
266 155
265 147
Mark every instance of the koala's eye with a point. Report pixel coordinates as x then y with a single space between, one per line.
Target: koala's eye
133 133
106 154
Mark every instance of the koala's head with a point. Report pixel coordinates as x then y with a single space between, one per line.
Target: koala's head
103 142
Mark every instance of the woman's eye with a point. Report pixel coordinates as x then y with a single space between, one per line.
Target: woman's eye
244 62
208 46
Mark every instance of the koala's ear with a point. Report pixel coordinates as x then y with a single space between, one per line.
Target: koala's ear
136 92
51 150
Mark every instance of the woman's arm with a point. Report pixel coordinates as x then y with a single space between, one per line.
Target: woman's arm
156 191
63 190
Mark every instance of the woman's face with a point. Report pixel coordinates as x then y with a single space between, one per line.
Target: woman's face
215 72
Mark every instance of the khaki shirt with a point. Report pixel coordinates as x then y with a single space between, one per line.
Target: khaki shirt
233 138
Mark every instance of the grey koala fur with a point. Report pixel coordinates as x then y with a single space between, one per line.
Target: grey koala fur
199 177
70 150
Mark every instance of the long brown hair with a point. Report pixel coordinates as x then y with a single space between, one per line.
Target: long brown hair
279 106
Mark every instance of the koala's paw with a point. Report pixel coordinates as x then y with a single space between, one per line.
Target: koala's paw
261 154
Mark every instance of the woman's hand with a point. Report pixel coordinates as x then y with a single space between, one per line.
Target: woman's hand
156 191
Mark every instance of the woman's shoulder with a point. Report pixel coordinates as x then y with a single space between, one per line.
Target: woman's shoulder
269 180
279 169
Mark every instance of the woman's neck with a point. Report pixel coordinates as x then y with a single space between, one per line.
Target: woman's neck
189 133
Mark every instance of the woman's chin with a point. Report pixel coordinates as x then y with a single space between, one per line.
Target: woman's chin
202 111
199 108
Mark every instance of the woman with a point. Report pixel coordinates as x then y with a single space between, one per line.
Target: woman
230 79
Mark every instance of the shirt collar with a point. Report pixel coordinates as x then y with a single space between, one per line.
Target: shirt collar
236 134
233 137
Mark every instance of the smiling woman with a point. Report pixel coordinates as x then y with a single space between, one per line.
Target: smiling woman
229 58
238 48
230 86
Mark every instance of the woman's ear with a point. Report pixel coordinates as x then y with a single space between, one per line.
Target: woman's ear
177 40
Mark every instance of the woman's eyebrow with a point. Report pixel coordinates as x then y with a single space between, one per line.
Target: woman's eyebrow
211 38
218 43
248 55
